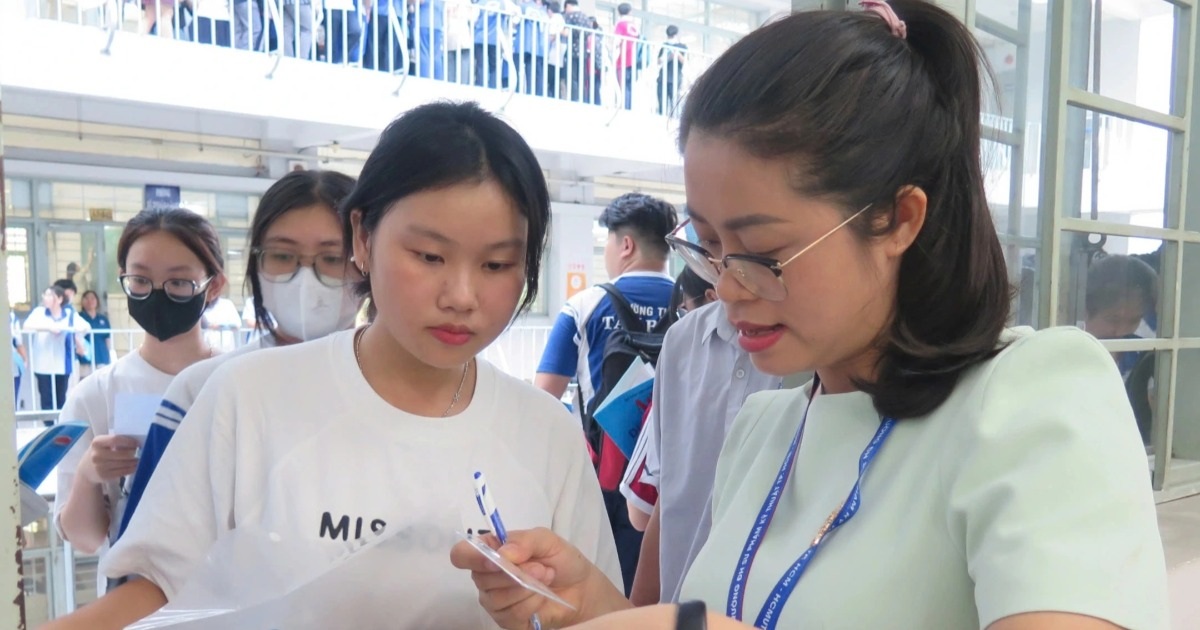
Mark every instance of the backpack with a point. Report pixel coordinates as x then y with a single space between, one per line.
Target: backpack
626 343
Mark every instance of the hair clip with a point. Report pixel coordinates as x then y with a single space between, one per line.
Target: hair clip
885 11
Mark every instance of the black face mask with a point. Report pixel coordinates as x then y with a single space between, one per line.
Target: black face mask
164 318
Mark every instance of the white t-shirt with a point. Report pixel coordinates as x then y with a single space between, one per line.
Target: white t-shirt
53 352
1027 490
182 392
294 441
175 403
94 401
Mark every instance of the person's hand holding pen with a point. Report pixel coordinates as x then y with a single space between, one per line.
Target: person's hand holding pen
552 561
545 557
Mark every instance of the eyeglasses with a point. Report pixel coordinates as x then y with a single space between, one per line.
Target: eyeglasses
177 289
278 265
760 275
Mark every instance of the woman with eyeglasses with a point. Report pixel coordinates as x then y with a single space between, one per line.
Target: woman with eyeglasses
302 289
939 471
171 267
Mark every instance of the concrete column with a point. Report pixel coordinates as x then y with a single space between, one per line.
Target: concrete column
569 265
12 604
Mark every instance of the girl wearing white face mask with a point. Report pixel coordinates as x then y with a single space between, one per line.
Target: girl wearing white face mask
301 285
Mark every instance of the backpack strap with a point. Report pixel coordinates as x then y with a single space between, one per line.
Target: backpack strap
629 319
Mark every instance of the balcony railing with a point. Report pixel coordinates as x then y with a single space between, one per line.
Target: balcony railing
493 45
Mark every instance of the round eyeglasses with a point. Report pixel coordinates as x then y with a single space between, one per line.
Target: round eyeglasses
760 275
177 289
279 265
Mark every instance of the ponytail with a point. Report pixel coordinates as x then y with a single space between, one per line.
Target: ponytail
864 111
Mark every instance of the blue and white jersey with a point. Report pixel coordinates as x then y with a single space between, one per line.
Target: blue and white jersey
576 343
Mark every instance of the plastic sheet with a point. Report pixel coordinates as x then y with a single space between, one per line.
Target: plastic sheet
256 580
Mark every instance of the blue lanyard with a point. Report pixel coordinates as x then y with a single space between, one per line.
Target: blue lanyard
768 616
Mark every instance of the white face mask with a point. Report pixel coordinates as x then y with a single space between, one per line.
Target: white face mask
305 309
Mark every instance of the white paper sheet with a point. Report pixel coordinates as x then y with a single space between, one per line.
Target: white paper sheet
134 414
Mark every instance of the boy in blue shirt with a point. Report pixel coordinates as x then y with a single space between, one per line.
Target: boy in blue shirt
635 257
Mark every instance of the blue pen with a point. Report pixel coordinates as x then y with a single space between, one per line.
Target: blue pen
484 499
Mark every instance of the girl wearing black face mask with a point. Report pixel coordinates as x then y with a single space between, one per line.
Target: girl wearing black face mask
171 268
302 286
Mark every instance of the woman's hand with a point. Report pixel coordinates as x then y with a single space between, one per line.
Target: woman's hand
109 458
548 558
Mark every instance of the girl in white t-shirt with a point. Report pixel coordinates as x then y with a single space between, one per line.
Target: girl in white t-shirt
301 288
381 429
52 345
939 471
171 266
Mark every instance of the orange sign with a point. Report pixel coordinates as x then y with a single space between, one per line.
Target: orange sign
576 282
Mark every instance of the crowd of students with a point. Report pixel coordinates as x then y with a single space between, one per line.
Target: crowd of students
548 48
857 360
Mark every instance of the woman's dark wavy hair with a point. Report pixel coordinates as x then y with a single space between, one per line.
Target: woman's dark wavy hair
298 189
443 144
862 114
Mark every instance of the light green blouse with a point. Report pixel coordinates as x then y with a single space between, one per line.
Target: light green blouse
1027 490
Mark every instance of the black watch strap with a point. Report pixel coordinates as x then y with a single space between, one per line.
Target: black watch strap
691 616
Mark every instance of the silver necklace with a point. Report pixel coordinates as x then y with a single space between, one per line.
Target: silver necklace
457 393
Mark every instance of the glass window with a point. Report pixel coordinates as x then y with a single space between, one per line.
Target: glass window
1112 285
17 259
127 202
1136 41
1189 298
19 194
1120 164
1002 11
1148 372
202 203
234 210
1023 271
60 200
1001 56
733 19
1185 444
688 10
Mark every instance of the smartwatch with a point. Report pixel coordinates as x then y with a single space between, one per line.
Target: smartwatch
691 615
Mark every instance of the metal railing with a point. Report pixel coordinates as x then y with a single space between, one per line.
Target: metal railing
516 352
494 45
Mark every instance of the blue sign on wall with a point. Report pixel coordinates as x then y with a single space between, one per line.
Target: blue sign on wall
157 196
